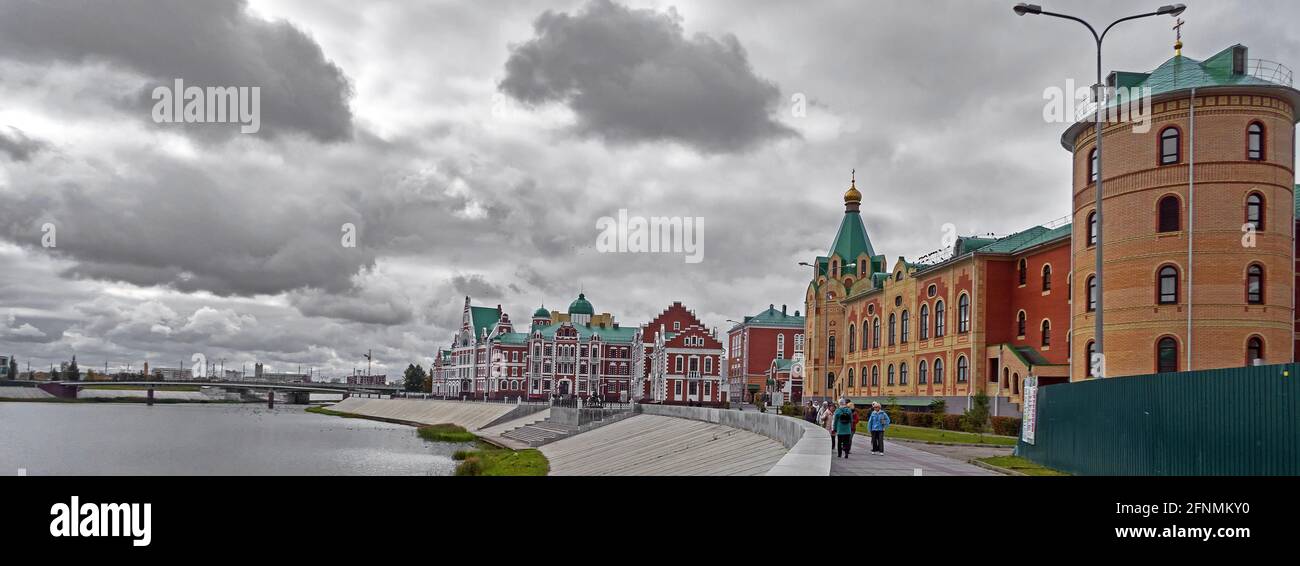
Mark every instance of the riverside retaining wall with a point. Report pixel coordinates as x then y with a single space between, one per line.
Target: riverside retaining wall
809 445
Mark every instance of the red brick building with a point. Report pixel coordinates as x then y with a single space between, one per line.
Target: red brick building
683 360
754 343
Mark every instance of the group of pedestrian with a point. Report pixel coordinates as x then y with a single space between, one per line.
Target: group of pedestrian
842 422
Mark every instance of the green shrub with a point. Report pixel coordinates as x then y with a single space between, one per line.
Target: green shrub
471 466
976 418
445 433
952 422
1006 426
461 454
791 410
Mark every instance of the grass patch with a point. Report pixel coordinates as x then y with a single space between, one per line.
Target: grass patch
446 433
493 461
333 413
1022 465
924 434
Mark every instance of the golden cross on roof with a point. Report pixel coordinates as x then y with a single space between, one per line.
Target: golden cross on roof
1178 30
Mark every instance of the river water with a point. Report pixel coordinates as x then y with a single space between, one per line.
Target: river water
192 439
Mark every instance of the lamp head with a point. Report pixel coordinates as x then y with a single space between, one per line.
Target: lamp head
1022 9
1173 10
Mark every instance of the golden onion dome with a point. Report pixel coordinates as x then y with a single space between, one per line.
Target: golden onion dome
853 195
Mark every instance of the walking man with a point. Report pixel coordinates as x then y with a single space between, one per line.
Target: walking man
877 423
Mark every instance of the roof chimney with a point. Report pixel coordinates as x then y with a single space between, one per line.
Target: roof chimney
782 310
796 313
771 306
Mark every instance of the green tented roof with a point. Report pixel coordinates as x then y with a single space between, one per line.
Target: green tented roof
774 317
483 318
851 241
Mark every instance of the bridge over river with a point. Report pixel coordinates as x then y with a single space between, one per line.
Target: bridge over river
297 392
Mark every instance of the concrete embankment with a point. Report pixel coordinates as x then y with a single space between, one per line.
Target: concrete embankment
808 446
652 445
472 416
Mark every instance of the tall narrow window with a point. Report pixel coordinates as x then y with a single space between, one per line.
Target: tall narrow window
1091 349
1170 146
852 383
1255 141
1020 324
1170 211
892 328
1168 287
853 342
889 375
1255 284
963 314
902 373
1255 211
923 326
830 348
875 332
938 371
1092 166
922 373
1166 355
904 327
1254 350
1092 228
1047 333
866 337
1024 271
1092 293
938 319
1047 278
963 369
875 376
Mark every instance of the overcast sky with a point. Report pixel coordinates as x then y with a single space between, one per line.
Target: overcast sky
474 145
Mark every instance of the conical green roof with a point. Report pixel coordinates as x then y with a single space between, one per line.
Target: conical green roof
851 240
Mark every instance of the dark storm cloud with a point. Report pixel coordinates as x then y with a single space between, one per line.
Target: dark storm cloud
208 43
17 145
633 76
476 285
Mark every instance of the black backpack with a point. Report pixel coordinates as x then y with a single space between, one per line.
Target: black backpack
846 418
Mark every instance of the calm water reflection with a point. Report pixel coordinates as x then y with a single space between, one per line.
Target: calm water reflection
132 439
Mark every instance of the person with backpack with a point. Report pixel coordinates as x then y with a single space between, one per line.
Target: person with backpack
844 428
825 418
877 423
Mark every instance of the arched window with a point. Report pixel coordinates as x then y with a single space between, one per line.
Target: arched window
1092 228
875 376
1170 146
1092 293
1020 324
963 369
902 373
938 319
830 347
1091 349
1024 271
851 381
963 314
875 332
923 325
904 327
852 338
1169 211
1168 287
889 375
1015 384
1047 278
1092 166
922 371
1255 211
1255 284
938 371
1047 333
892 328
1255 141
1254 350
1166 355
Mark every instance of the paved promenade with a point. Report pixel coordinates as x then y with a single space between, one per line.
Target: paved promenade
901 459
470 415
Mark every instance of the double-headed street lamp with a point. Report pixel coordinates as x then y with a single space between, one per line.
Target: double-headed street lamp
1097 90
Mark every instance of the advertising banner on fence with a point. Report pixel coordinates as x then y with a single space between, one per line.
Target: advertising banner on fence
1029 410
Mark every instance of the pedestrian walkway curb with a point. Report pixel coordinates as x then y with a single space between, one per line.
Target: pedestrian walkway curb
997 469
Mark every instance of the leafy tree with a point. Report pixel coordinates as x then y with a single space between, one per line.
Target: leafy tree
976 418
13 368
413 378
938 408
73 373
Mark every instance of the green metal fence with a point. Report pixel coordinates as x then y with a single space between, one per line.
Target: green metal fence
1238 421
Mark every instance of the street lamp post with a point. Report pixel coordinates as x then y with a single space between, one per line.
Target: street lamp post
1098 89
